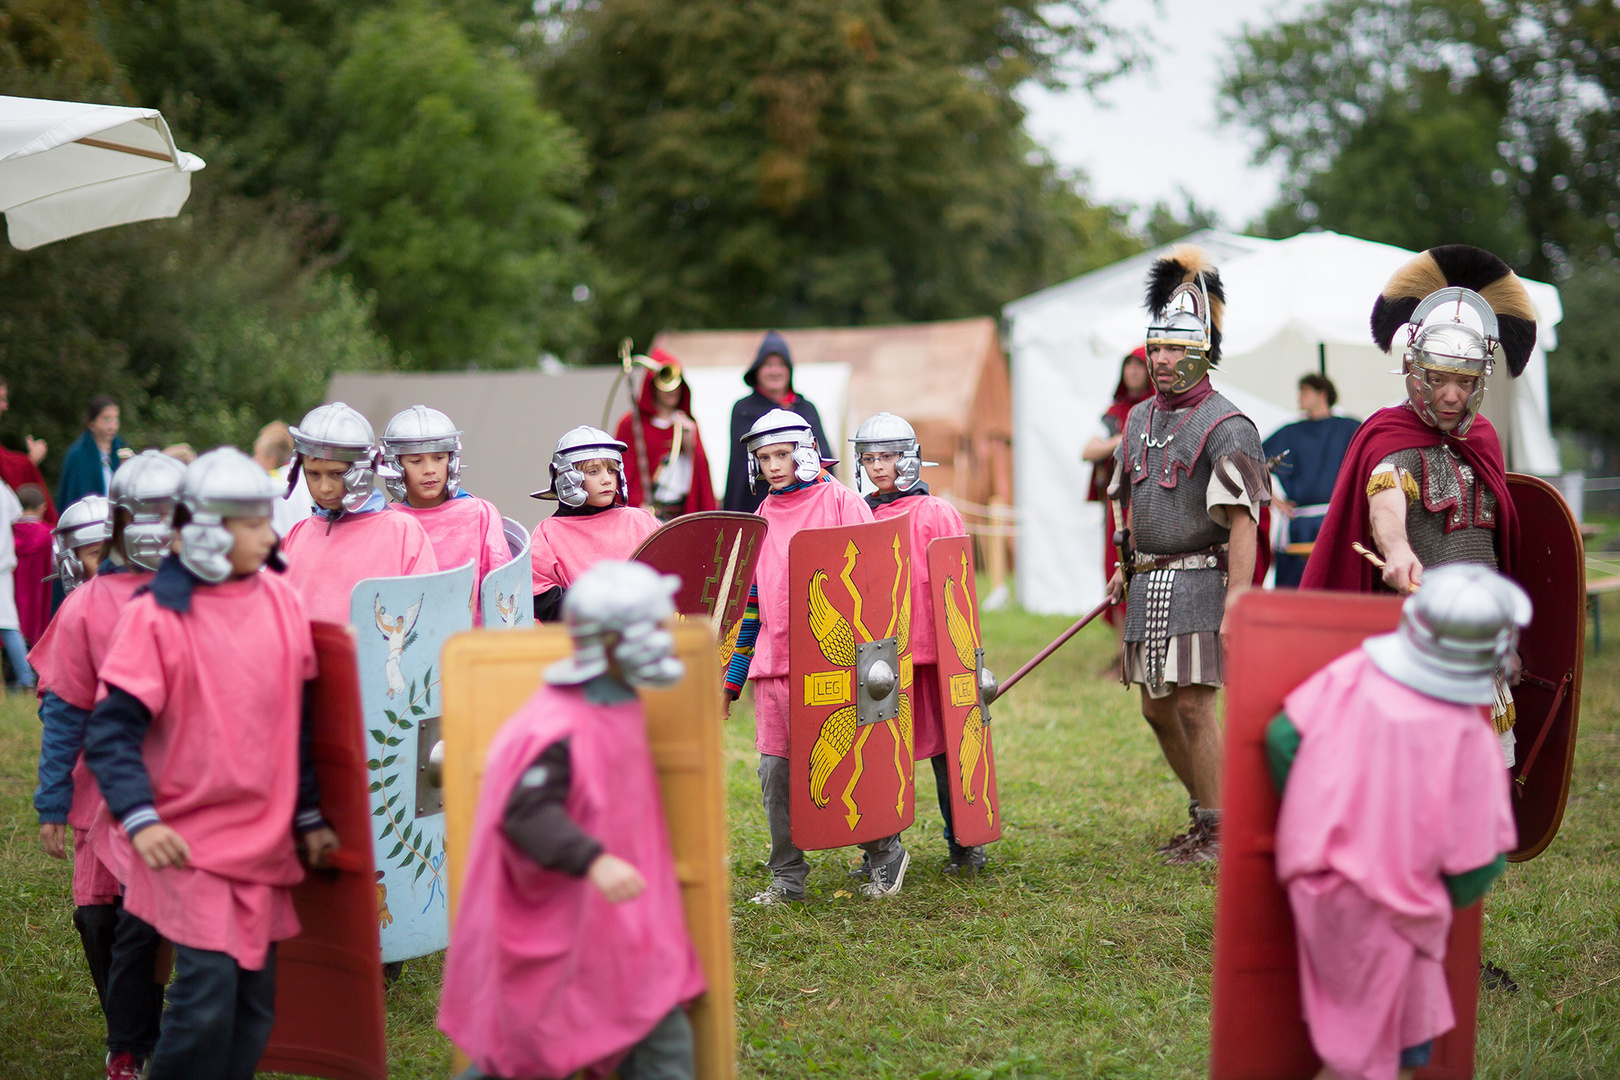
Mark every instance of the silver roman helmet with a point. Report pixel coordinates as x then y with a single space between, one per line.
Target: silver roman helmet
419 430
86 522
338 433
583 443
1455 632
615 611
221 484
784 426
1456 310
886 433
1186 303
146 487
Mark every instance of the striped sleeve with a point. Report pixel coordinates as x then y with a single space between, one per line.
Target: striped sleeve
747 634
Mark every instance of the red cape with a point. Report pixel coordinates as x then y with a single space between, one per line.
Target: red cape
1333 565
700 496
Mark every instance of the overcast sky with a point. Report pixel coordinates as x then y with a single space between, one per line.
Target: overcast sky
1114 137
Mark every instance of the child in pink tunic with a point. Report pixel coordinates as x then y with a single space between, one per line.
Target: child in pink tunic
593 521
201 747
802 495
422 449
1395 810
891 459
570 949
335 548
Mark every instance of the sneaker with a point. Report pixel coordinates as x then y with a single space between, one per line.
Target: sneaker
1181 841
123 1066
776 893
1206 848
965 862
886 880
863 872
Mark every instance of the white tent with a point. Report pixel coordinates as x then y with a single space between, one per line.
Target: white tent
67 167
1293 306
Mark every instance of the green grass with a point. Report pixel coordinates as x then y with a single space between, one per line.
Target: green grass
1074 955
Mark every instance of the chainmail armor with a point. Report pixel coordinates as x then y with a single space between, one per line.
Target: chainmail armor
1172 456
1454 518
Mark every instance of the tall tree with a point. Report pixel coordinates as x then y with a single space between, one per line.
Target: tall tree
1480 120
450 182
800 161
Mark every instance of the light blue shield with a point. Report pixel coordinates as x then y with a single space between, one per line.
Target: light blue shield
507 595
402 623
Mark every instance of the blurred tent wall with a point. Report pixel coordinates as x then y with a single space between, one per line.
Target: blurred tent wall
511 421
949 379
1293 306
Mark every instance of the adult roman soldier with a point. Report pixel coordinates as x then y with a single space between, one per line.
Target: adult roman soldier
1191 472
1425 482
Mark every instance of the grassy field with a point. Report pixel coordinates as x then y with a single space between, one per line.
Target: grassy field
1075 955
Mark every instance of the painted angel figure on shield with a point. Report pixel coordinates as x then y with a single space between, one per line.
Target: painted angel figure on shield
397 629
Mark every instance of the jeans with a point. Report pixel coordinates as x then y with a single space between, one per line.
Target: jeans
134 997
787 863
942 788
664 1054
17 652
219 1018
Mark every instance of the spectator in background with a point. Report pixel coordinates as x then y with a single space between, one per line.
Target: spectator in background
10 633
771 379
273 450
94 456
31 536
680 481
1133 387
18 469
1314 449
181 452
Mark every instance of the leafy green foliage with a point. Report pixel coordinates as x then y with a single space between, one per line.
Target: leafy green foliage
1583 373
1410 120
450 180
804 162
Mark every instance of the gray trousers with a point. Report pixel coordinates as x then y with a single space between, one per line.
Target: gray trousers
787 863
665 1054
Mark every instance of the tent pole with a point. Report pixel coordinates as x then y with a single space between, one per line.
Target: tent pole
1321 358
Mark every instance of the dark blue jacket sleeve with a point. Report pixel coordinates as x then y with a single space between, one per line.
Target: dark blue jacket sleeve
112 748
736 498
308 814
61 739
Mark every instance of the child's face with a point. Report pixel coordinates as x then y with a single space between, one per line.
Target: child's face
601 481
324 478
254 540
90 556
880 468
776 464
425 476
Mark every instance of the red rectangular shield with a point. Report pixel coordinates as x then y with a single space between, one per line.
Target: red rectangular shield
849 592
1278 640
329 993
969 751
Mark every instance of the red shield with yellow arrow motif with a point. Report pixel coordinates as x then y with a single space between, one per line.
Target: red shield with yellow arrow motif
975 808
849 681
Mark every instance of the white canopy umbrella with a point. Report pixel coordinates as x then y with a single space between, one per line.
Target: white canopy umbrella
67 168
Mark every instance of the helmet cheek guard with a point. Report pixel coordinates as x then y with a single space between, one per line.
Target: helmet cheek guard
205 550
357 485
806 462
569 483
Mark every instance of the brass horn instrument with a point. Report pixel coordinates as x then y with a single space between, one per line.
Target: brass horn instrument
665 377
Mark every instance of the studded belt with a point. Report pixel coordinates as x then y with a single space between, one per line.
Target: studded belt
1209 559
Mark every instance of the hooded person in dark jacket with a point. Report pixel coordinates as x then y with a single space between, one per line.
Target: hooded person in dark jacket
771 378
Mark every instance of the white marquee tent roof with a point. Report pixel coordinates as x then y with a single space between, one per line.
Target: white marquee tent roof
1293 306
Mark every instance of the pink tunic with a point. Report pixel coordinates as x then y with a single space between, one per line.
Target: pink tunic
544 976
462 531
931 518
1391 789
562 548
66 660
324 565
224 683
815 506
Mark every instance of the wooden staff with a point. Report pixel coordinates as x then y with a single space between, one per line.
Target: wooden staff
1035 660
